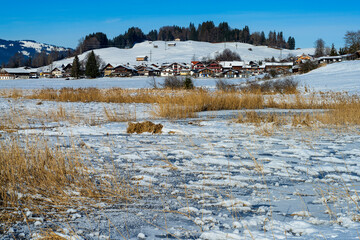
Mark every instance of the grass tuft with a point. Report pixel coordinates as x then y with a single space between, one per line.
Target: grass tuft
146 126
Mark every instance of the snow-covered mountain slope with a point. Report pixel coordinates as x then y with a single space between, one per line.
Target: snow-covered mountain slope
342 76
27 48
161 52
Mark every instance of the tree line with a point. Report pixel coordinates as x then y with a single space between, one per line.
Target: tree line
204 32
352 44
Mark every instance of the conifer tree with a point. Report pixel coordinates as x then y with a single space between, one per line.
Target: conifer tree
92 66
75 69
333 51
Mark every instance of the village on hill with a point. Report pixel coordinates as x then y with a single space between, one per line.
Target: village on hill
206 68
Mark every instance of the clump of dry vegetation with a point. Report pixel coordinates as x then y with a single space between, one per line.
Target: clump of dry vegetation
257 118
146 126
283 86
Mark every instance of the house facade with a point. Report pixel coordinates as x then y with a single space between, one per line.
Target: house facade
15 73
124 71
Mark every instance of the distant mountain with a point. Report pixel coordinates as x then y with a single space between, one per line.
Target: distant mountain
28 48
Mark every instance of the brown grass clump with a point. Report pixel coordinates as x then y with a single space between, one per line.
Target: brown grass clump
302 120
257 118
146 126
39 177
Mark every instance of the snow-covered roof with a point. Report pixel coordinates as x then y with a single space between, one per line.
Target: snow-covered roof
329 57
230 64
16 70
279 64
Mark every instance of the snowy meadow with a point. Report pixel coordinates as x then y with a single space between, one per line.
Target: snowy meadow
226 165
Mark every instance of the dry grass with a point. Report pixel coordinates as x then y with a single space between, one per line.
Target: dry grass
39 177
184 104
257 119
146 126
113 95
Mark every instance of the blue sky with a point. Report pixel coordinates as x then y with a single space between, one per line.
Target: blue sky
64 22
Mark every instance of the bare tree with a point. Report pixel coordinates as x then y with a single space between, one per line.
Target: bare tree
228 55
352 41
319 48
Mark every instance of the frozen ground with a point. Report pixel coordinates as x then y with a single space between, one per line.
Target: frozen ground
207 177
210 178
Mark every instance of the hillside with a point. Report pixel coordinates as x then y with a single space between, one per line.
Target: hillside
27 48
185 52
342 76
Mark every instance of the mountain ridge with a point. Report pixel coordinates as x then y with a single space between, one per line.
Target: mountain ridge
28 48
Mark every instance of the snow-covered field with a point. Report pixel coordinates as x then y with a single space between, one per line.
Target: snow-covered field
343 76
207 177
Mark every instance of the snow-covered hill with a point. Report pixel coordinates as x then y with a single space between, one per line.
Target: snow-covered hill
161 52
27 48
342 76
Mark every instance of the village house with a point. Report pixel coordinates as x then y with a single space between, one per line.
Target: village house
196 65
279 67
142 58
124 71
107 70
57 73
15 73
152 71
67 70
303 58
173 69
215 67
141 69
329 59
230 73
206 72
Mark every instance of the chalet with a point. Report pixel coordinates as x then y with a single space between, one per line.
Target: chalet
230 73
206 72
196 65
296 69
279 67
141 69
167 71
185 72
14 73
107 70
67 70
57 73
124 71
142 58
329 59
303 58
152 71
177 39
173 69
233 65
215 67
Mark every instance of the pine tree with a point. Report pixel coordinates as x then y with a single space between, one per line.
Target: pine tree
291 43
333 51
75 69
262 38
92 67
